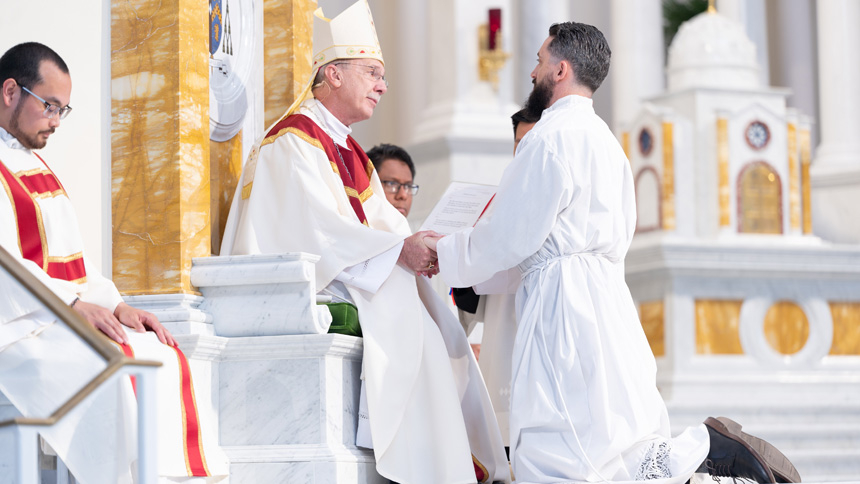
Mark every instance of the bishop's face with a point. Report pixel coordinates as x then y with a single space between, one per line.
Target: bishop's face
362 88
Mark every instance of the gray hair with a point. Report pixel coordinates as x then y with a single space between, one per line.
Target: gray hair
585 48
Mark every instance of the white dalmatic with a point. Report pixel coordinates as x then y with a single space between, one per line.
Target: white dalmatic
584 400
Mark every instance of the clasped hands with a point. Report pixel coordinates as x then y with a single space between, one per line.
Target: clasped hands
419 253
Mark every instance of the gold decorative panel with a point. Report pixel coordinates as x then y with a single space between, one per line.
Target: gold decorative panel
159 143
717 330
786 327
759 200
846 328
288 30
725 191
805 185
793 179
225 162
651 316
668 206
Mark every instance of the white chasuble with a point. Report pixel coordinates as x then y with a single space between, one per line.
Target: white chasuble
584 400
430 417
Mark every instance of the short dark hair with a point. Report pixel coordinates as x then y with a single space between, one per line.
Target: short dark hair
22 63
381 152
585 47
523 116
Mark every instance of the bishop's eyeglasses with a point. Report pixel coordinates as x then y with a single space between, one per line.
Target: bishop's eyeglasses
394 187
51 110
373 72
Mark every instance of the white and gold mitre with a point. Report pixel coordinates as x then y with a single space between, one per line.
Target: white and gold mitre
350 35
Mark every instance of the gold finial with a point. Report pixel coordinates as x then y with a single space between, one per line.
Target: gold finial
712 8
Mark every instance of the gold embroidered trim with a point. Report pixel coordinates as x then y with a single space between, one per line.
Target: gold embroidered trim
351 192
365 194
34 171
64 259
55 193
301 134
246 191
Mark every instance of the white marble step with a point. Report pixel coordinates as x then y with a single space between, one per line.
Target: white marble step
778 413
802 435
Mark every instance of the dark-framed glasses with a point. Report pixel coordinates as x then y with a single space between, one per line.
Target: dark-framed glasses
51 110
374 71
394 187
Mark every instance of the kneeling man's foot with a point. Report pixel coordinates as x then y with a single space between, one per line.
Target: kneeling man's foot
782 468
731 456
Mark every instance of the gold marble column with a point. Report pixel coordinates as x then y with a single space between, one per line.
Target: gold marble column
793 180
225 168
725 191
159 143
288 27
668 205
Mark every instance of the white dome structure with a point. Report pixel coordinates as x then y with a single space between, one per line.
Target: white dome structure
712 50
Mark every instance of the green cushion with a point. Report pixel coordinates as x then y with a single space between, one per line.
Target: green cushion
344 319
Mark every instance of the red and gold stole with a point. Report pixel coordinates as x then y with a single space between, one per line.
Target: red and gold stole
23 188
352 165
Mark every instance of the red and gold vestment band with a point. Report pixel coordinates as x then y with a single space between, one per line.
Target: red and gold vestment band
24 188
352 165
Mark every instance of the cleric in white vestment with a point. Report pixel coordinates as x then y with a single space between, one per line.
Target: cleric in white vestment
308 186
584 400
42 363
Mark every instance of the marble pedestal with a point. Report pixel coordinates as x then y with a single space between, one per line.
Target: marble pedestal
289 410
287 403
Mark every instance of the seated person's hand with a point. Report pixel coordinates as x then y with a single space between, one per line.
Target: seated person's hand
102 319
417 256
141 321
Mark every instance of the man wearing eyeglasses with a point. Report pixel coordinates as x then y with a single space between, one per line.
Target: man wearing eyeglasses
397 173
41 362
309 187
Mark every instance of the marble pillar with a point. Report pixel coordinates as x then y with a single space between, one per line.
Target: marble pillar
793 55
159 143
465 129
836 170
531 30
288 28
752 14
637 53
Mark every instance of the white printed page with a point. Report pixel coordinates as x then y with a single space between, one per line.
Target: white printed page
460 207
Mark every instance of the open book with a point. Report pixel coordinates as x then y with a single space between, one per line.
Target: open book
461 206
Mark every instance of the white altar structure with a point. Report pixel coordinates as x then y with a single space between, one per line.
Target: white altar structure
744 307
